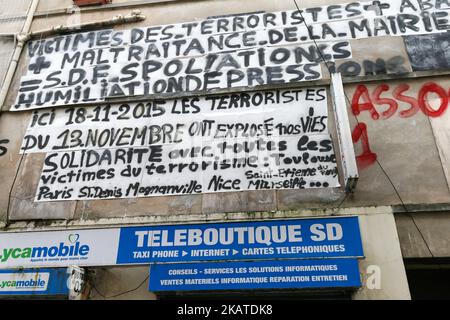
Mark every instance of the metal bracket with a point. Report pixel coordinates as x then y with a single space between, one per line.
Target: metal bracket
346 148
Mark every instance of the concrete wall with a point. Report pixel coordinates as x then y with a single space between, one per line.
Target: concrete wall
419 139
410 148
114 284
424 235
382 271
12 18
6 50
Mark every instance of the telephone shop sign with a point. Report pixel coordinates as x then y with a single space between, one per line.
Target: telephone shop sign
282 274
305 238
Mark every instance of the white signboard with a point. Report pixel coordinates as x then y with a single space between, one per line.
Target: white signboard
76 282
225 52
347 152
234 142
59 249
24 282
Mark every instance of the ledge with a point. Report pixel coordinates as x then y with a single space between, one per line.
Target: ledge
124 5
51 225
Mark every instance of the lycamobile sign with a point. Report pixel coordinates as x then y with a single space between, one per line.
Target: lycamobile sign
59 248
54 281
29 281
74 249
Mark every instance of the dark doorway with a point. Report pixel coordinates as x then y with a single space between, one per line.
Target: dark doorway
428 279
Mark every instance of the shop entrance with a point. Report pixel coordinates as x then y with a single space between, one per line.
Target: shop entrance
428 278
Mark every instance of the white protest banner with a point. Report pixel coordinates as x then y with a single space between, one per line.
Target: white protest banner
235 142
228 116
301 162
217 53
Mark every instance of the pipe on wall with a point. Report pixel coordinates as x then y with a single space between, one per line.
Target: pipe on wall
26 35
134 16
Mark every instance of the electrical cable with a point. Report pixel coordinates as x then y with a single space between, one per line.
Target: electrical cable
357 120
12 186
311 36
329 70
119 294
340 204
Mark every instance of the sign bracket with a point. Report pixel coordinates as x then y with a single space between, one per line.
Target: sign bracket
346 149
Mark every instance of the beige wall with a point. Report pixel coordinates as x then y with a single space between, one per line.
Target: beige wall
419 180
424 235
113 284
382 271
412 154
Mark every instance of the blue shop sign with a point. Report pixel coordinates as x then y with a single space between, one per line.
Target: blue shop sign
34 282
282 239
283 274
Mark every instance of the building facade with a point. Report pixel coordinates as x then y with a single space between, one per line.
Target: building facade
142 120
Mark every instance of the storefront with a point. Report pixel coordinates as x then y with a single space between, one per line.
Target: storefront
203 149
267 255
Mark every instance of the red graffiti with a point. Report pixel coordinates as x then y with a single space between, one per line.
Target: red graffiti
367 157
423 102
357 106
393 106
363 100
398 94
